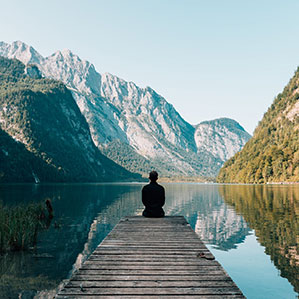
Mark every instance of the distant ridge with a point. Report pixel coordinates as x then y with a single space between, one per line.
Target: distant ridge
136 127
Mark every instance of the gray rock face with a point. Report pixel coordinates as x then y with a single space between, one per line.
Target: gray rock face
32 71
43 135
20 51
221 137
139 117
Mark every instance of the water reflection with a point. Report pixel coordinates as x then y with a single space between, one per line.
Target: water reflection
273 212
84 214
212 219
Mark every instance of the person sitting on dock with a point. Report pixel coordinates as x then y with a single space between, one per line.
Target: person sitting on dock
153 197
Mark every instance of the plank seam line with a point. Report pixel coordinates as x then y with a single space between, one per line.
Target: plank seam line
155 280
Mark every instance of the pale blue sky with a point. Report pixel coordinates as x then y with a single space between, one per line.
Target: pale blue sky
208 58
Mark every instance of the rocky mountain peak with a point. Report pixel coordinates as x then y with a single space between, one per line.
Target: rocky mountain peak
139 118
222 137
224 122
79 75
42 115
117 90
21 51
68 57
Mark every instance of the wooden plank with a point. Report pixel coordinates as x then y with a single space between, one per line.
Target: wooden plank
85 277
152 291
148 252
164 242
184 232
150 284
150 247
154 255
202 271
151 258
145 258
173 268
160 262
151 297
142 243
153 236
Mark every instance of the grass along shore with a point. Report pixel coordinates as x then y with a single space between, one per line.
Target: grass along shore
19 225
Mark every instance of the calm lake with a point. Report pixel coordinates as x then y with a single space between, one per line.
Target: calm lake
252 230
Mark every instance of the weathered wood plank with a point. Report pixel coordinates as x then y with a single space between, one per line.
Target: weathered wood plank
160 262
156 246
148 252
153 243
85 277
152 236
152 291
154 255
150 284
151 258
166 219
202 271
175 268
147 259
151 239
151 296
169 248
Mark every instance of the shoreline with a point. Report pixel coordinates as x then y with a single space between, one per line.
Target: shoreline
145 181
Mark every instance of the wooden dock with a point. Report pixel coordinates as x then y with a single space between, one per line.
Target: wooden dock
151 258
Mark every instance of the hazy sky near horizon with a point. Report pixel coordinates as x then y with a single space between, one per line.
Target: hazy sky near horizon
209 59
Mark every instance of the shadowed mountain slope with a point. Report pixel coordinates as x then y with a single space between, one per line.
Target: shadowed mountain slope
44 120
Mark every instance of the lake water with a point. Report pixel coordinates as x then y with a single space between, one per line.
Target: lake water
251 230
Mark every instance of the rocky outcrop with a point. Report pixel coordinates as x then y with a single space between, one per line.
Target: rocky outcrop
45 137
221 137
137 117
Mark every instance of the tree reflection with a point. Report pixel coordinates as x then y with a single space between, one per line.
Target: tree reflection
273 212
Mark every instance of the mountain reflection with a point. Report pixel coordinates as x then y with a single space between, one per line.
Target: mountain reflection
85 213
273 212
83 216
209 216
222 228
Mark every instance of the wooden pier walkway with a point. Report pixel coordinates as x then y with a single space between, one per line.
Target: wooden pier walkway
151 258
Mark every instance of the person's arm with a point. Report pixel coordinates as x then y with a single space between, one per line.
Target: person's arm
163 198
144 201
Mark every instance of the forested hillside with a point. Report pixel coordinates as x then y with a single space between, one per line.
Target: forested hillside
272 155
42 124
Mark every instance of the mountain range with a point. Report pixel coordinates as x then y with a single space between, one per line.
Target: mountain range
135 127
43 136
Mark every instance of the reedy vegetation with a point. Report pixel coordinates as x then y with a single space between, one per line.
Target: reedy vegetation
19 226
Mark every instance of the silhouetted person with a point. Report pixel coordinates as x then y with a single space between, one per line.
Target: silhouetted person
153 197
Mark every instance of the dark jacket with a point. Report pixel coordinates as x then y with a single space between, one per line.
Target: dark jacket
153 197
